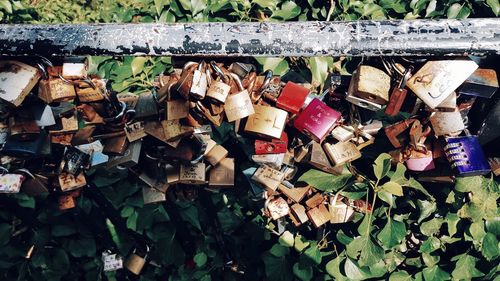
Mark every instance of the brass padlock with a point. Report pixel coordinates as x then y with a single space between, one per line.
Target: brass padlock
173 130
216 154
398 133
267 121
220 88
185 82
93 90
69 182
192 174
273 160
370 84
135 262
268 177
152 195
17 79
176 109
55 90
23 127
277 207
238 106
116 145
134 131
436 80
200 82
74 68
222 175
89 114
66 202
320 160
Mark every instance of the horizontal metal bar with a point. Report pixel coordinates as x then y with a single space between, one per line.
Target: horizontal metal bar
358 38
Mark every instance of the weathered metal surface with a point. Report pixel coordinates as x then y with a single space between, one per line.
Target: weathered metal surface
359 38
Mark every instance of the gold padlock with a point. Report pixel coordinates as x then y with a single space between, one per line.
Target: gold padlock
267 121
216 154
370 84
92 90
341 152
219 90
192 174
238 106
55 90
135 263
268 177
17 79
222 175
320 160
177 109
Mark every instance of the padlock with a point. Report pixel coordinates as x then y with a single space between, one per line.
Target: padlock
362 206
222 175
343 133
135 262
28 149
183 86
174 130
200 82
299 213
319 159
341 152
449 104
95 150
4 132
238 106
436 80
340 212
10 182
481 83
398 133
273 160
272 147
292 97
34 184
294 193
267 121
134 131
116 145
152 195
419 161
319 215
241 69
268 177
216 154
418 136
176 109
74 68
17 79
146 107
63 139
398 94
466 156
23 126
447 123
67 123
128 98
55 89
495 165
192 174
220 88
317 120
75 161
302 152
129 158
92 90
89 114
68 182
371 85
276 207
315 200
111 262
66 202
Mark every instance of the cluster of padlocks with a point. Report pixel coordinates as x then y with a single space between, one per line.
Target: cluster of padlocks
57 122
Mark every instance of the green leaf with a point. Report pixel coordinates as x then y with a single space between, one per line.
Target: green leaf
333 268
400 276
426 209
286 239
490 247
417 186
270 4
466 268
476 229
137 65
354 271
279 66
430 228
369 252
279 251
392 234
6 5
430 245
324 181
313 253
304 274
468 184
382 165
393 188
200 259
398 176
5 232
386 197
495 6
63 230
198 6
300 243
319 69
452 221
453 11
190 214
277 268
288 10
430 260
435 273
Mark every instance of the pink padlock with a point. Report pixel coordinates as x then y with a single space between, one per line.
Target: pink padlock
420 161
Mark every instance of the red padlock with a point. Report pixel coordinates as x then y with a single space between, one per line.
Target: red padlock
272 147
292 97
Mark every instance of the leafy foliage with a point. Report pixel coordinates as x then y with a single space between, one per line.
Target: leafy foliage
414 233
